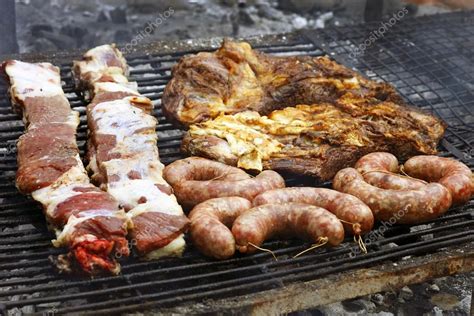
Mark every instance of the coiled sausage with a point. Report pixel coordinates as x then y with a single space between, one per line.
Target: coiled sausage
395 206
195 180
380 169
346 207
454 175
268 221
211 222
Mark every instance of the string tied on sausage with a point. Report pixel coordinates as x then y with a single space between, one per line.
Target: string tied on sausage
264 249
358 240
320 242
219 176
356 227
227 173
402 170
357 237
403 175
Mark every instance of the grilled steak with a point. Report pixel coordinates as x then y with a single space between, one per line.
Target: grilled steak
319 116
236 78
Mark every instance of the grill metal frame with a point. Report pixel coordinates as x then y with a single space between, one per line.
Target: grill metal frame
427 59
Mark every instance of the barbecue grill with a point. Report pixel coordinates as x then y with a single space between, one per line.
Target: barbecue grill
430 62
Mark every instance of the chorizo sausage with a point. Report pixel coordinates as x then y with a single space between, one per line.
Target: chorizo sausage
395 206
346 207
380 169
195 180
454 175
211 222
286 220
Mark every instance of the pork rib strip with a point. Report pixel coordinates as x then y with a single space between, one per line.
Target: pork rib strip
123 153
86 220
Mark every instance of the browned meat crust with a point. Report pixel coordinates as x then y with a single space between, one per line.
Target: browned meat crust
237 78
320 116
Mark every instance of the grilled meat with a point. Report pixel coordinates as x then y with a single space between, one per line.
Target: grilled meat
316 140
299 114
86 220
236 78
123 156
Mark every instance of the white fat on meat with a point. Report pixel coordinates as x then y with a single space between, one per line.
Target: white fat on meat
95 64
61 189
165 204
133 192
136 140
143 144
120 118
146 167
73 119
45 82
173 249
55 196
128 87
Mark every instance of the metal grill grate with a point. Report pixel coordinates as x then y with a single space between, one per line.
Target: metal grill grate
429 60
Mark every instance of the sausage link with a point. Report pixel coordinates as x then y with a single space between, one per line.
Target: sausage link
211 222
395 206
380 169
197 168
346 207
286 220
195 180
377 161
454 175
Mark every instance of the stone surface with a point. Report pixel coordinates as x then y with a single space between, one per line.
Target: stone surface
453 299
445 301
406 293
433 288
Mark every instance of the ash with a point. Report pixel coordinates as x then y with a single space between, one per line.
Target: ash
77 24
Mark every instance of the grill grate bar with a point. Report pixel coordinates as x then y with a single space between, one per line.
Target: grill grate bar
194 267
446 240
230 286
